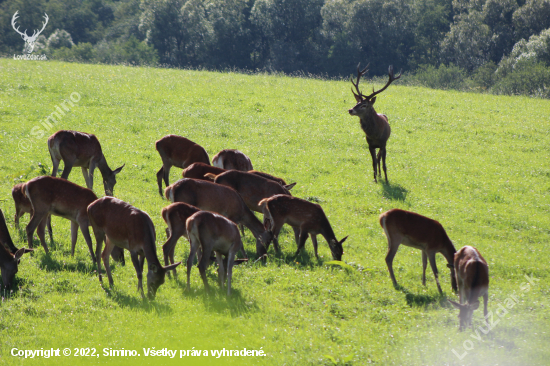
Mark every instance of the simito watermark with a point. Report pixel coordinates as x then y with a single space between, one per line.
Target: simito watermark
492 321
40 130
29 40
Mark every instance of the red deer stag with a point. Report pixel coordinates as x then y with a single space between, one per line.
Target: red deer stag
213 233
180 152
253 188
119 224
9 259
83 150
232 159
420 232
306 216
472 275
223 200
375 125
59 197
23 205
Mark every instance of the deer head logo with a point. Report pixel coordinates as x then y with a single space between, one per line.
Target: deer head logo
29 41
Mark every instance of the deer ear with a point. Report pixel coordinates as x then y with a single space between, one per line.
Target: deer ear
19 254
117 170
373 100
172 266
343 240
290 186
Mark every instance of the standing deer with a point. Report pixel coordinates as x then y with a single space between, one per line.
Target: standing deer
223 200
420 232
9 254
29 41
119 224
472 275
83 150
232 159
213 233
253 188
23 205
375 125
180 152
59 197
308 217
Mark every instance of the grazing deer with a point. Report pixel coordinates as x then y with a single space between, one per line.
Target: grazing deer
180 152
5 237
213 233
253 188
308 217
23 205
375 125
83 150
472 275
199 170
223 200
29 41
59 197
420 232
9 254
120 224
232 159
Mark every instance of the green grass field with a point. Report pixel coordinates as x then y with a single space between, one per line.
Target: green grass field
477 163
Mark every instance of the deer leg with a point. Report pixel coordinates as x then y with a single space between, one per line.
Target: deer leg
431 257
18 213
221 269
203 264
485 300
105 257
36 218
139 272
378 156
241 226
168 248
83 223
374 160
67 169
93 165
393 245
383 163
230 262
314 241
160 175
166 175
41 232
55 163
195 244
424 265
303 238
49 224
85 174
74 235
99 239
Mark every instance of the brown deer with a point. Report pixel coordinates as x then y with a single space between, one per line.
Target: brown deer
59 197
472 275
199 170
23 205
375 125
119 224
83 150
213 233
232 159
420 232
179 152
253 188
223 200
308 217
9 254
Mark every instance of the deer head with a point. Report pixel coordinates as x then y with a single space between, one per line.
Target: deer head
29 41
465 313
365 103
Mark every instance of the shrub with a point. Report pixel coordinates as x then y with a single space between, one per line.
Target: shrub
442 77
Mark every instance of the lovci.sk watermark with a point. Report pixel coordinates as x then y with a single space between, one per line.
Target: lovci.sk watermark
39 131
492 321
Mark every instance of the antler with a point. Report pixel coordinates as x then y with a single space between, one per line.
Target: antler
391 79
43 25
356 84
13 19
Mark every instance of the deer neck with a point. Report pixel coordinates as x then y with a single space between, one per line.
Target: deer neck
252 223
5 255
449 252
103 167
369 123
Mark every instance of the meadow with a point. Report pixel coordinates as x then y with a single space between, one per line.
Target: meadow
476 163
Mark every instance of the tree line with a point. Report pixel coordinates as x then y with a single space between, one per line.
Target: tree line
469 44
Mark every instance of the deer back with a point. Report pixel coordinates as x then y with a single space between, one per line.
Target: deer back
214 230
199 170
22 203
232 159
180 151
472 272
75 145
177 214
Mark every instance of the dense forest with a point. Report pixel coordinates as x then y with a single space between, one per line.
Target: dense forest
501 46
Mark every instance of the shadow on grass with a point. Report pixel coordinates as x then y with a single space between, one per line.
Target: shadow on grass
136 301
53 265
422 300
394 192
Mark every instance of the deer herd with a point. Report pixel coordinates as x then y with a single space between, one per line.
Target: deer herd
209 204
